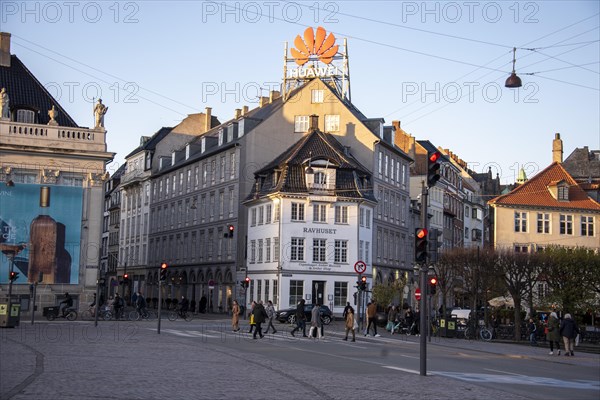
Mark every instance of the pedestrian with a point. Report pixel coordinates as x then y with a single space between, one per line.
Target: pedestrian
260 316
553 335
568 330
315 321
235 318
118 305
531 329
371 314
140 304
202 304
270 315
392 317
348 307
409 319
252 323
351 324
300 319
184 306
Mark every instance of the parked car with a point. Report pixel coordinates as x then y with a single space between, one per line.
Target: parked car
289 314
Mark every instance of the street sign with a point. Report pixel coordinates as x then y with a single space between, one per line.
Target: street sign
418 294
211 284
360 267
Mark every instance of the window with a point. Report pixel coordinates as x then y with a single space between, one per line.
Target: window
543 223
566 224
316 96
253 217
521 248
341 214
319 180
232 165
319 250
275 298
268 213
361 217
222 169
296 292
297 249
253 251
301 123
360 249
380 164
368 219
520 221
268 250
319 212
276 249
587 226
340 294
25 116
332 123
276 214
367 247
260 250
297 212
341 251
261 215
563 193
204 174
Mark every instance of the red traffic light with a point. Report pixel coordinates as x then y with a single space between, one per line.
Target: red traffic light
231 228
364 279
421 233
433 281
247 279
163 266
434 156
126 276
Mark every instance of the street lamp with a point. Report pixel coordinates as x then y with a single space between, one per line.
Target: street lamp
513 81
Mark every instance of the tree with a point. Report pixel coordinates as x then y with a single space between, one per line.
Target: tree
385 293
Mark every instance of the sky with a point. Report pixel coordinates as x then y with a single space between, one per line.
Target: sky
438 67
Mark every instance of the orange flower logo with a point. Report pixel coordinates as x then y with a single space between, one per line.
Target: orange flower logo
318 44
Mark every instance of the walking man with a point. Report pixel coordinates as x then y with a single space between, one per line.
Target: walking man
259 317
270 315
371 314
300 319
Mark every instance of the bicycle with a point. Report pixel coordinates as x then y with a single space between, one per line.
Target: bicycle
51 313
102 313
472 332
136 315
174 315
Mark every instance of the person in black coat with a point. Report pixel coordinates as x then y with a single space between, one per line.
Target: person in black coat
260 315
569 331
300 319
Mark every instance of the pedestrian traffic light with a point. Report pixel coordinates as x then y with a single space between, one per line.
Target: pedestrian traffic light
432 284
363 283
420 245
163 271
13 276
433 168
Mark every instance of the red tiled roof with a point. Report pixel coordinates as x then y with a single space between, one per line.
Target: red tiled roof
535 192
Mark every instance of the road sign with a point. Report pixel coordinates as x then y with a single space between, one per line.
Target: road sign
211 284
418 294
360 267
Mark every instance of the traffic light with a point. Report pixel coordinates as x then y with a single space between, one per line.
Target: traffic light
13 276
125 279
432 284
246 283
433 168
163 271
363 283
230 230
420 245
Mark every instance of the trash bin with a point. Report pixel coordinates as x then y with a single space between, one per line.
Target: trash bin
451 327
10 313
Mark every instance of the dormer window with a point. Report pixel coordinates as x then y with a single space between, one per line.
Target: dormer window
320 180
25 116
563 193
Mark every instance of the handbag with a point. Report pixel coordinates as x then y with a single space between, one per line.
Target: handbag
355 325
251 319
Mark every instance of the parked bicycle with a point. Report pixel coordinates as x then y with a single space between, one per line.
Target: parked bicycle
174 315
474 330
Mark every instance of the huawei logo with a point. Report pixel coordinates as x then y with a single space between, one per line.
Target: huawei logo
318 44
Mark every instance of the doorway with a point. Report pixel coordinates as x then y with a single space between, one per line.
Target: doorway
318 292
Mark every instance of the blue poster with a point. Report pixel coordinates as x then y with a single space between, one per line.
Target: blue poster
45 221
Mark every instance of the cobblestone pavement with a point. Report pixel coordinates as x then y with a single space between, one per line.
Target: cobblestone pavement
125 360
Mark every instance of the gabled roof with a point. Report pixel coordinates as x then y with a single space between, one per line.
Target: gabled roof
25 91
535 192
316 145
150 144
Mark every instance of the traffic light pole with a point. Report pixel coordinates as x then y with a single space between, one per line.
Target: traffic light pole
159 305
424 317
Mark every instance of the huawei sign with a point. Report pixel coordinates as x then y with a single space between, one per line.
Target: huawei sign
314 44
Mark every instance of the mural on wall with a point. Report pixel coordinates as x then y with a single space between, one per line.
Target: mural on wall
47 219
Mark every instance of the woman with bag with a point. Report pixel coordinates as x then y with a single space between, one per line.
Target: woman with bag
252 323
351 324
553 336
235 319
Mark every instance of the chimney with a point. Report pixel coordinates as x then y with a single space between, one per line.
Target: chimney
263 101
396 125
4 49
314 123
238 113
557 149
208 121
274 95
244 110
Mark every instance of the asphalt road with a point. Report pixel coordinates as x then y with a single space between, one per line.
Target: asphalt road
203 359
